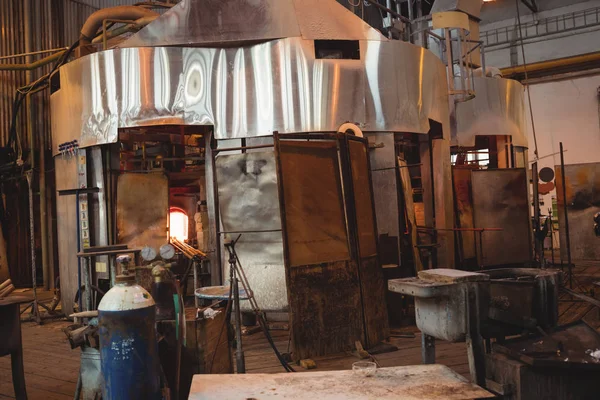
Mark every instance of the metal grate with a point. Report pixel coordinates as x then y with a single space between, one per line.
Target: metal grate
543 27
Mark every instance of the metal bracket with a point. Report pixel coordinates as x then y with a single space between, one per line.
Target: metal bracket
531 4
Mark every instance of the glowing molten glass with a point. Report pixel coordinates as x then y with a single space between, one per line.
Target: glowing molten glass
179 224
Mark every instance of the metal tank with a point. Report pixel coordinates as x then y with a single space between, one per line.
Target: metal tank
128 348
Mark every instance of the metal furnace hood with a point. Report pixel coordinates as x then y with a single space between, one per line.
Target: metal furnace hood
218 23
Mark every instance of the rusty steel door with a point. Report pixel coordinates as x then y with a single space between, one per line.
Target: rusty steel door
501 200
335 284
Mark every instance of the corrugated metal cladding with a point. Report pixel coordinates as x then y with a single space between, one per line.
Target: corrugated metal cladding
53 24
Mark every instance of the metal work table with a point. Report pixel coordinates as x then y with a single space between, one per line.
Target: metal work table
449 305
413 382
10 340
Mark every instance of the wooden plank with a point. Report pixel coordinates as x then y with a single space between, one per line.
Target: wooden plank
410 212
50 385
461 177
426 382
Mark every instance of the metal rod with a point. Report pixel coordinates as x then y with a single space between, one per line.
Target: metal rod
33 65
397 167
211 158
460 63
462 229
481 248
551 235
262 146
564 192
389 11
33 53
79 299
427 349
482 52
583 297
34 305
438 37
257 231
449 59
239 352
539 253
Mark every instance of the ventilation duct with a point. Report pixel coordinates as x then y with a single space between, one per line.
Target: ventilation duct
471 7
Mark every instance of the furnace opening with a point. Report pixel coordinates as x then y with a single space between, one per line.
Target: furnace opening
178 224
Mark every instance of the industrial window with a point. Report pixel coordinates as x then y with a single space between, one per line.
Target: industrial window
179 224
337 49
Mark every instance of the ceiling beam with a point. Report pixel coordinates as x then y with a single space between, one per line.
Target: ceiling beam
531 4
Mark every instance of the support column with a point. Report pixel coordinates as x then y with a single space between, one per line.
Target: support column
444 202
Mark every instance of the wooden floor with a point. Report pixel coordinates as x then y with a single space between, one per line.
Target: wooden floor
51 367
584 275
261 359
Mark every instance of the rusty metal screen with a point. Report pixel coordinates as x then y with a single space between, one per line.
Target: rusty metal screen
142 209
583 202
501 200
314 207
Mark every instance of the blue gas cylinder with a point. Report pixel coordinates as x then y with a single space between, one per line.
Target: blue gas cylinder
128 348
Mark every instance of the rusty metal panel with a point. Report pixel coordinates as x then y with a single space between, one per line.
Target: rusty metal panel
461 180
249 202
142 209
314 206
383 172
500 200
325 308
363 200
583 201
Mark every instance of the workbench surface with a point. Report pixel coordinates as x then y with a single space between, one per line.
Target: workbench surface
416 382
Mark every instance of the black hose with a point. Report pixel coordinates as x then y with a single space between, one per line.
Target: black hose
263 322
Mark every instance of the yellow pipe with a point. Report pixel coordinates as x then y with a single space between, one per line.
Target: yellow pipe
546 65
33 65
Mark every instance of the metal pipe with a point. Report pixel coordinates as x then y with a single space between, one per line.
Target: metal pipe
547 65
34 305
482 52
567 235
239 351
389 11
33 53
28 66
130 26
539 247
262 146
94 21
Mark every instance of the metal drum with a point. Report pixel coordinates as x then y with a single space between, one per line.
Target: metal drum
130 363
524 297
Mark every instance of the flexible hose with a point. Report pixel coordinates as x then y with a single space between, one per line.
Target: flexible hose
94 21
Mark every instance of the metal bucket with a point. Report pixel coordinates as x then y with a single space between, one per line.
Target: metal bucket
90 374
